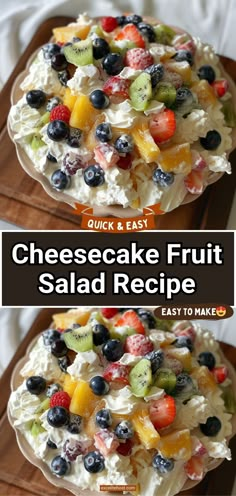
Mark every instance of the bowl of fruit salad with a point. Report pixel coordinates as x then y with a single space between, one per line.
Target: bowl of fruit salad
118 397
122 113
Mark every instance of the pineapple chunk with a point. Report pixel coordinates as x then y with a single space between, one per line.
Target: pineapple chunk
181 68
66 33
176 445
83 400
205 93
66 320
176 159
69 385
145 143
183 355
69 99
146 431
83 114
205 379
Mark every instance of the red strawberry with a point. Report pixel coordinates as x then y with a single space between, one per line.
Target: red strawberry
197 447
220 87
108 313
125 162
106 155
162 412
109 23
138 58
61 398
131 33
194 182
189 332
220 374
106 441
138 345
199 162
125 449
117 372
194 468
189 46
131 319
117 86
162 126
60 113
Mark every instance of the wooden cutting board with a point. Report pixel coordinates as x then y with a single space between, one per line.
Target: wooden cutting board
19 478
24 202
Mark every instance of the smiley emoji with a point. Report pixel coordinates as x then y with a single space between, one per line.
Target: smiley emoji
220 311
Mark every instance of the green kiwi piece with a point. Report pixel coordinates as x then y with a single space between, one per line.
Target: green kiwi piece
229 113
80 53
97 30
165 379
121 332
229 400
140 91
37 428
45 405
121 46
45 119
80 339
140 378
164 34
36 142
166 93
164 325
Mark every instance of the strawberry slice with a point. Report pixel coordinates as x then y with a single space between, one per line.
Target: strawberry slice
138 345
220 374
131 319
189 46
194 182
194 468
117 372
163 125
106 155
106 441
138 58
197 447
131 33
162 412
189 332
125 449
220 87
125 163
198 161
108 313
117 86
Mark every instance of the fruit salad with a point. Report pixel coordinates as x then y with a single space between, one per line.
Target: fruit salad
117 397
126 111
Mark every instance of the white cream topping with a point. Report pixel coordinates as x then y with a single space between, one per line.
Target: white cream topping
121 401
86 365
42 362
121 115
196 411
42 77
85 80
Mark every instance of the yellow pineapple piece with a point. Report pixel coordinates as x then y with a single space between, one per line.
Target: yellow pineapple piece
145 143
181 68
176 445
83 400
176 159
66 33
90 427
166 338
69 99
169 53
69 385
183 355
205 93
146 431
83 114
66 320
205 379
135 203
91 140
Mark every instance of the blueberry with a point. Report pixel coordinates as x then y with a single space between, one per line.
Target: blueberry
57 130
51 158
36 384
183 96
94 176
211 427
50 49
103 132
157 358
163 179
64 77
147 317
100 48
207 72
184 341
99 99
53 102
60 180
58 416
124 144
59 348
36 98
113 63
59 62
124 430
75 424
49 336
63 363
133 19
211 141
59 466
99 385
94 462
51 445
207 358
184 56
162 465
100 334
121 20
113 350
103 418
75 137
183 382
147 31
52 389
156 72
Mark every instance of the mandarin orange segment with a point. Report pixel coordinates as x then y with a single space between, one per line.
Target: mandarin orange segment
69 385
176 159
83 114
176 445
83 400
205 93
205 379
145 143
69 99
183 355
146 431
66 320
66 33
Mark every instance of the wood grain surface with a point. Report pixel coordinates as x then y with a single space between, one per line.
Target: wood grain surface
24 202
19 478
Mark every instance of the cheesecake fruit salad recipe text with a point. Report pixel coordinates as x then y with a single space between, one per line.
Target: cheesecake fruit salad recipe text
115 396
125 111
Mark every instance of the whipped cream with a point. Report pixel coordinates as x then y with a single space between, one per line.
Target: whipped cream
42 77
121 401
42 362
195 411
121 115
85 366
85 80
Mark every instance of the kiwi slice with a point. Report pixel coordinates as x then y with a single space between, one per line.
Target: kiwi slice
80 339
164 34
166 93
45 119
45 405
164 325
122 332
121 46
140 378
229 400
36 142
165 379
80 53
229 113
140 91
96 29
36 428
